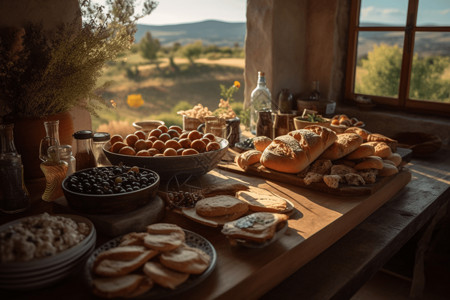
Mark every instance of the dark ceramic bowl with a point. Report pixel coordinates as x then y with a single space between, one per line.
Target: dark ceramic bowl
169 166
110 203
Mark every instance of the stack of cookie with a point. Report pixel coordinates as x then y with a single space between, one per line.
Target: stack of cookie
159 256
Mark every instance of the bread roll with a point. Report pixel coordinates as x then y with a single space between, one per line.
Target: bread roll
248 158
371 162
294 152
388 170
359 131
362 151
381 149
345 144
261 142
376 137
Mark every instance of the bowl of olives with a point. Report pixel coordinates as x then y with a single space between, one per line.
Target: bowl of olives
110 190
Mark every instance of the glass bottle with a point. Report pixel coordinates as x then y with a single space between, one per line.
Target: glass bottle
315 94
51 138
84 157
261 100
14 196
98 141
55 171
65 151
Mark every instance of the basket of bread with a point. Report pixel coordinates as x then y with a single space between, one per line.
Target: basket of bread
321 158
158 263
340 123
169 151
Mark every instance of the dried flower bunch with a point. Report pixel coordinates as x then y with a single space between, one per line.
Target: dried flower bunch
43 74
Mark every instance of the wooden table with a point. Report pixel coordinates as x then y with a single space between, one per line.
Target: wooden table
338 271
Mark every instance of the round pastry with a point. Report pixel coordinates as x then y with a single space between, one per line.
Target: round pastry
163 128
143 153
131 139
159 145
153 151
198 145
248 158
116 138
170 152
180 151
164 137
194 135
149 144
388 170
185 143
127 150
117 146
173 144
155 132
140 145
212 146
140 134
371 162
189 151
173 133
210 136
186 259
177 128
152 138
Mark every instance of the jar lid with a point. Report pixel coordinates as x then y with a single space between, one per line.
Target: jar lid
83 134
101 137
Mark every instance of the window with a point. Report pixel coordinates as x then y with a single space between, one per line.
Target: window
399 53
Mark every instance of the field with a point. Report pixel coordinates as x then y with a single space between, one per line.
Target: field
163 87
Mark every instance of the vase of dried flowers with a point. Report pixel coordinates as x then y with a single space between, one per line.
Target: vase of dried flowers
45 72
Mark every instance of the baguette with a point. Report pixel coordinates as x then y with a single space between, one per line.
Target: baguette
345 144
294 152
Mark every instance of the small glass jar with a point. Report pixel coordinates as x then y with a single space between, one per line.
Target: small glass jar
98 141
65 152
84 157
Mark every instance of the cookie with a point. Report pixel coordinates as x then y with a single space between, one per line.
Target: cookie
163 276
164 242
114 268
186 259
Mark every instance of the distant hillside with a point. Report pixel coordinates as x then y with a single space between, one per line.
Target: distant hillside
210 32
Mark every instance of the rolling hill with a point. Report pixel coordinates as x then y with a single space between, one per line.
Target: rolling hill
210 32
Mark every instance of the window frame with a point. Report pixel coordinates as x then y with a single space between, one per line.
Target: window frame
402 102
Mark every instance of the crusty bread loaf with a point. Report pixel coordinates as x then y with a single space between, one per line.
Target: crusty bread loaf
257 227
345 144
261 142
117 286
294 152
220 206
186 259
248 158
362 151
164 276
381 149
359 131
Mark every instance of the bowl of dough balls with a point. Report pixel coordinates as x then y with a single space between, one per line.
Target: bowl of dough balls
339 123
169 151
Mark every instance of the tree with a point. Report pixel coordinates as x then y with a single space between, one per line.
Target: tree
380 74
192 51
149 47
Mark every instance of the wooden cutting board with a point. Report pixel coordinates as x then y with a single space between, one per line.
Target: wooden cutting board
343 190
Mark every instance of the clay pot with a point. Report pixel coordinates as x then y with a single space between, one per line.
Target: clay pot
28 133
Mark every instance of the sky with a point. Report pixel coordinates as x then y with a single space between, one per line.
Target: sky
188 11
435 12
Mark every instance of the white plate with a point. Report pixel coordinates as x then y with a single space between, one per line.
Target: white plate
192 239
57 259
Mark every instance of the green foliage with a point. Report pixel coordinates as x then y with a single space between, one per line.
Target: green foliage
182 105
192 51
227 93
149 47
40 76
383 67
381 74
